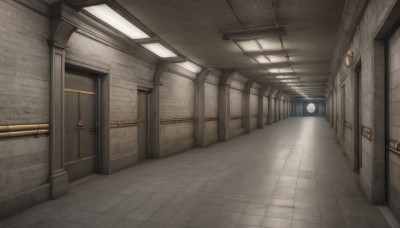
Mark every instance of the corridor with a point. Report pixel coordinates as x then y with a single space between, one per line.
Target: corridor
290 174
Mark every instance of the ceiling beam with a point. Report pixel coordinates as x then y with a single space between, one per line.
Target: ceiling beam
254 33
276 52
267 65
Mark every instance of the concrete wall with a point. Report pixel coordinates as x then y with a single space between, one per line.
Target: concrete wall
211 106
253 108
125 74
368 51
265 117
25 91
176 102
394 120
24 99
237 112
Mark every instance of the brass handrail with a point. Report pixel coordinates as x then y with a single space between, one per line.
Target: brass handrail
23 127
20 130
347 124
394 146
236 117
366 132
212 119
125 124
12 134
177 120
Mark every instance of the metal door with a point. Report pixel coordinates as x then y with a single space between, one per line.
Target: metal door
80 125
142 133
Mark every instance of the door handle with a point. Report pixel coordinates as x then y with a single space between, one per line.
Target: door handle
79 125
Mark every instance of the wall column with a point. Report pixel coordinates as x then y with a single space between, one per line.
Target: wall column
224 111
162 66
260 116
199 108
270 109
60 32
247 108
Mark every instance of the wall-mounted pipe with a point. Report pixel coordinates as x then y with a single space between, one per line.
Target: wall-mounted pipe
10 131
8 128
23 133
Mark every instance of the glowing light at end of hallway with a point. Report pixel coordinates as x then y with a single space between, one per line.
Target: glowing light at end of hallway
159 50
112 18
190 66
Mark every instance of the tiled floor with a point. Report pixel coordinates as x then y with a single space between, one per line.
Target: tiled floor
290 174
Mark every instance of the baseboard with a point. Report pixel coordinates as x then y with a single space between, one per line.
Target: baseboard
123 162
20 201
236 132
177 148
365 185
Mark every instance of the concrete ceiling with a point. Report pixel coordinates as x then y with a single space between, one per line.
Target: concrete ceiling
194 28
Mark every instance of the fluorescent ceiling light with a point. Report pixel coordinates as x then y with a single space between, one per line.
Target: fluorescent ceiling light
270 43
285 81
159 50
280 76
248 45
277 58
190 66
285 70
112 18
274 70
261 59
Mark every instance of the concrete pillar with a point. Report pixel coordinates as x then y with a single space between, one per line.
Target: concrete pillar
224 105
247 109
260 117
276 113
270 109
60 32
199 108
162 66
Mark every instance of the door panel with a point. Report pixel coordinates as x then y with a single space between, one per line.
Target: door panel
80 125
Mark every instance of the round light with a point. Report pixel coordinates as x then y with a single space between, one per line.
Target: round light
311 108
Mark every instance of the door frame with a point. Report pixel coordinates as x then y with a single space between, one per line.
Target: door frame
100 72
97 115
357 118
148 128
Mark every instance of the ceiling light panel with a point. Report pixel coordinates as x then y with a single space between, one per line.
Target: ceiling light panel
248 46
270 43
277 58
112 18
190 66
159 50
285 70
274 70
261 59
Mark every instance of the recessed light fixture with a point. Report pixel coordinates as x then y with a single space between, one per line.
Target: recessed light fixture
286 70
280 76
112 18
261 59
248 45
190 66
277 58
159 50
274 70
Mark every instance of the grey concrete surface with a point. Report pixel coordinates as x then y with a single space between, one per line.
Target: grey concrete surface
290 174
